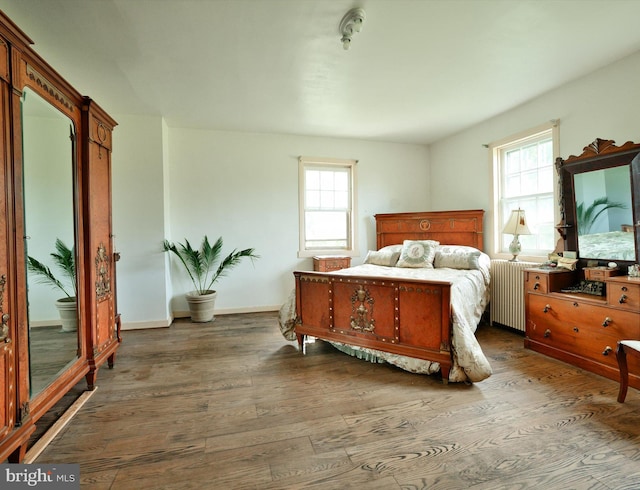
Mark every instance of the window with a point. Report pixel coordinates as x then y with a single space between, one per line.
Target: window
525 178
327 206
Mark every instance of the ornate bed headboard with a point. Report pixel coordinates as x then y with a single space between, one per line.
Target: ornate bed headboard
447 227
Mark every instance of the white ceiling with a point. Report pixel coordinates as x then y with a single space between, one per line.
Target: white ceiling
419 70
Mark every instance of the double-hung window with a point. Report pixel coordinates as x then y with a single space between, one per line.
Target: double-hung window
327 206
525 178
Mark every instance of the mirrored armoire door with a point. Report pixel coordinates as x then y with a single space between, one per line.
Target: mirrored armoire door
57 266
48 142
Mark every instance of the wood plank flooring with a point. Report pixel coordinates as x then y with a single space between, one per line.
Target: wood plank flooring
233 405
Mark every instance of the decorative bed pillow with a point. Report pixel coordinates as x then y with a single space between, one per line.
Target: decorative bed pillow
417 253
382 257
391 248
457 257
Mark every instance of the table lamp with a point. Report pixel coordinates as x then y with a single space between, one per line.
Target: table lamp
516 226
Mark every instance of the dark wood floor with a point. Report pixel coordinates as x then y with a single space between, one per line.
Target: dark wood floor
232 405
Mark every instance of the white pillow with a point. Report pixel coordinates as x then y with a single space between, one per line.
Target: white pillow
457 257
382 257
418 253
391 248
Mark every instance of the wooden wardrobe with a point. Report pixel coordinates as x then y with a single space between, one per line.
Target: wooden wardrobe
55 180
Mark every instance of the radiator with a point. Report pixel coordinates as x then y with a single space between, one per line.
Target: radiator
507 293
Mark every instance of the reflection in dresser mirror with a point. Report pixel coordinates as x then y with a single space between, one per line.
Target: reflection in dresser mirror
600 202
604 214
48 140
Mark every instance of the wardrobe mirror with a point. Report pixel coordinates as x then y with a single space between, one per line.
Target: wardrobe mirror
48 149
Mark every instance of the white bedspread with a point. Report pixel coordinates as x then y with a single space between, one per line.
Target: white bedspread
469 297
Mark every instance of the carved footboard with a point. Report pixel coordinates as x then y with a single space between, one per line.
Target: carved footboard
405 317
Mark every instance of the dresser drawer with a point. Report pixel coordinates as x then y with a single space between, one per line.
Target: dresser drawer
536 281
549 311
547 281
579 328
599 345
624 293
599 273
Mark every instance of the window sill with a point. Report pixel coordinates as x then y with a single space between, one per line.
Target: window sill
303 254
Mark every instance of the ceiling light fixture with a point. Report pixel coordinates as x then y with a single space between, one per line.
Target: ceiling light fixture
350 24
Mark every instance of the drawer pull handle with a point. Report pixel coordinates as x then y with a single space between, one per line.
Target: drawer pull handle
606 351
576 329
537 278
547 333
536 286
606 322
575 305
546 308
623 299
624 288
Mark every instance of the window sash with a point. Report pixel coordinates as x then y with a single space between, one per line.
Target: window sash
327 205
524 177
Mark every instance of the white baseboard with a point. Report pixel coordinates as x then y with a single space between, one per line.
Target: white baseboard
147 324
185 314
232 311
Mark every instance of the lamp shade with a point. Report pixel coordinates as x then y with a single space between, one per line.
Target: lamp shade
517 224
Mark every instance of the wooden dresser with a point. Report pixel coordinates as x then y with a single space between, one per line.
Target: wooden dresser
328 263
578 328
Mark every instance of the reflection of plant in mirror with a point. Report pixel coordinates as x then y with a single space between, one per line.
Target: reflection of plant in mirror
64 258
589 215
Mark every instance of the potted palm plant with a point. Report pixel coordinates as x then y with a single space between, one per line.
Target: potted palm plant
64 258
204 268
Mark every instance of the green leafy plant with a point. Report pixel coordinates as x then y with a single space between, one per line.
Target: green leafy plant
587 216
64 258
201 263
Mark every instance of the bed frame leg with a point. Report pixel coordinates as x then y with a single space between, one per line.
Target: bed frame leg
301 343
444 371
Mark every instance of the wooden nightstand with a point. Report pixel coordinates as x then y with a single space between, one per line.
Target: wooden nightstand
328 263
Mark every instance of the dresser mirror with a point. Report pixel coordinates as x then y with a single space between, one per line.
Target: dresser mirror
600 203
48 142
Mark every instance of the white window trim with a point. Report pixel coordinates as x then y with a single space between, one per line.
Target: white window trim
494 148
353 250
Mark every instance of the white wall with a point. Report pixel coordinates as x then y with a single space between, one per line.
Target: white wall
604 104
183 183
244 187
138 221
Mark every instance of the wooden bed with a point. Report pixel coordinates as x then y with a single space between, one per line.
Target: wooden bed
400 316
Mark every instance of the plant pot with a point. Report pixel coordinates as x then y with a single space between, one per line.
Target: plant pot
201 306
68 310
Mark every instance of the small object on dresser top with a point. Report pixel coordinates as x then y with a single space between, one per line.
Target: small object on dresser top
569 264
548 265
634 270
548 270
